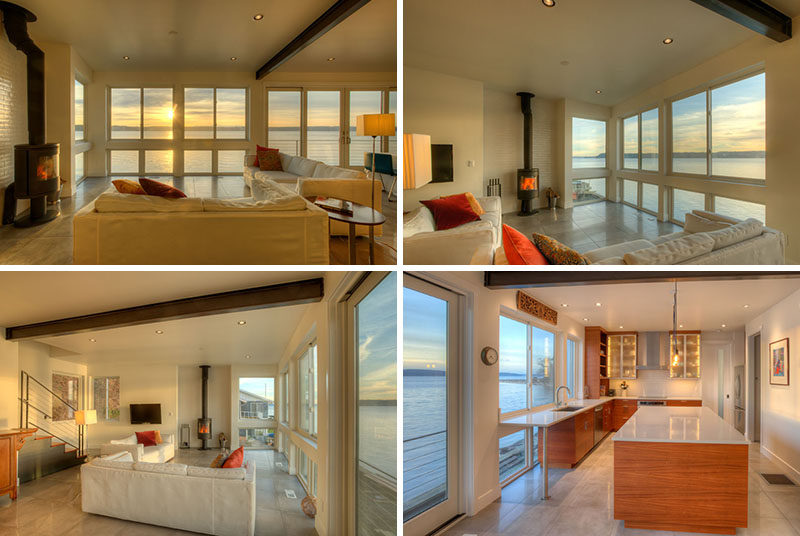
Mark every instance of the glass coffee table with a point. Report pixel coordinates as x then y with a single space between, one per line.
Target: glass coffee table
361 215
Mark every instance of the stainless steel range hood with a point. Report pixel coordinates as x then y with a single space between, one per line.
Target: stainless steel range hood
651 350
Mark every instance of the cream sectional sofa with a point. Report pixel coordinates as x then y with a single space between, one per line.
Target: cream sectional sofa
275 226
295 167
197 499
155 454
471 243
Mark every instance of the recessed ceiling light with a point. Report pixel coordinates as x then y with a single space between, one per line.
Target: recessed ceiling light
724 325
620 327
585 319
598 91
159 331
126 58
564 305
331 59
549 3
746 306
565 63
247 356
258 16
680 326
92 340
242 322
234 58
667 41
598 304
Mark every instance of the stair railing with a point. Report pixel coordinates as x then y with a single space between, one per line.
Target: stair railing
37 397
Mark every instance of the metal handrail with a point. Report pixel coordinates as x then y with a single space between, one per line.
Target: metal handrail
24 385
51 392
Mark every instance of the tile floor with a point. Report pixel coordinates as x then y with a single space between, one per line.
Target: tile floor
591 226
52 505
582 503
51 243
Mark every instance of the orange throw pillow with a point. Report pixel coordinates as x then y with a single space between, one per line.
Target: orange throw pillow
519 250
158 437
160 189
235 459
476 207
125 186
217 461
269 160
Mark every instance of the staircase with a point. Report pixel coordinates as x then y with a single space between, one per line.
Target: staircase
59 442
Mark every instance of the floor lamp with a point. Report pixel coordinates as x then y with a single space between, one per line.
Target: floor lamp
82 418
374 125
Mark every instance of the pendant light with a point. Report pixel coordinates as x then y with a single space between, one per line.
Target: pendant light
674 337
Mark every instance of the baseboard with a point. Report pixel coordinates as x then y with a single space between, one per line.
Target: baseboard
793 473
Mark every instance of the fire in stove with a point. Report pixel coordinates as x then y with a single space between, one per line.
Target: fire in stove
527 183
204 428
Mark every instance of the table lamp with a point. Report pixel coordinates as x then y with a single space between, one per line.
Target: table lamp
82 418
374 125
417 171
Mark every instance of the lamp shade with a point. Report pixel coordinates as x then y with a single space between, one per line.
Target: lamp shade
375 125
86 416
416 161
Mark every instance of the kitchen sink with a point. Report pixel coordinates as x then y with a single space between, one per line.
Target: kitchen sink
569 408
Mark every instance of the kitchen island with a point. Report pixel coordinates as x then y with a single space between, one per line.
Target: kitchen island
680 469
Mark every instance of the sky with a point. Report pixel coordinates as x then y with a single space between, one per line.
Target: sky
513 348
377 341
588 137
323 107
424 331
259 386
649 133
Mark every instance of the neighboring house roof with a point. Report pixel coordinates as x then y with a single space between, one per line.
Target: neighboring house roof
246 396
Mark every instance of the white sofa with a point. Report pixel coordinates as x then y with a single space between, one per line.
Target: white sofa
197 499
471 243
295 167
159 453
275 226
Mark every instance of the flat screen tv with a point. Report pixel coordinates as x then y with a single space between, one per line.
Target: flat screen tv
441 163
145 413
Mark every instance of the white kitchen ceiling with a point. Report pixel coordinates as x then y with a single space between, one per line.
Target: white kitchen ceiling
203 35
614 46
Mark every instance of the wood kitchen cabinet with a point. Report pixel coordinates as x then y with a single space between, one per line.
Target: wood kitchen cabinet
623 410
622 355
595 361
569 440
608 416
695 403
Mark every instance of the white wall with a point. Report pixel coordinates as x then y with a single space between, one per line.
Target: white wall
780 62
139 383
9 383
450 110
190 402
13 111
780 405
503 143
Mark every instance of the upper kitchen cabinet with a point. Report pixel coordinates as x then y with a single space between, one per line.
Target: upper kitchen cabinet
595 362
684 361
622 355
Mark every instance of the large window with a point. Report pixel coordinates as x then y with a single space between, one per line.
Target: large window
322 130
514 458
80 122
650 197
640 141
684 201
257 438
736 208
526 366
105 395
630 130
307 390
588 143
630 192
737 128
571 365
588 190
284 121
215 113
141 113
285 397
256 398
68 388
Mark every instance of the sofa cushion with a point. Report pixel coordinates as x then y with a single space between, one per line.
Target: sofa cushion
160 189
674 251
451 212
519 250
237 473
114 464
286 159
235 459
273 176
304 167
269 160
130 440
116 202
715 217
164 468
127 186
736 233
147 439
324 171
698 224
122 456
556 252
418 221
617 250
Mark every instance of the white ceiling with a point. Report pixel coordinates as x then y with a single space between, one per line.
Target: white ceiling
212 340
614 46
648 306
31 297
210 32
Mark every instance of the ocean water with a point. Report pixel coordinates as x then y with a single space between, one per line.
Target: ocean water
378 437
746 168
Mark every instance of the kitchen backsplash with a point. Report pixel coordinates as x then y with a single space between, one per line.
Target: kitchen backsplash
657 383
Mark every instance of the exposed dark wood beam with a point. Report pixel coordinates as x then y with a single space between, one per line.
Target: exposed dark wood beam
754 14
533 279
295 293
335 14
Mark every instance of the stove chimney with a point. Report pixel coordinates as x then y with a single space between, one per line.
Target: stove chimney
528 176
204 422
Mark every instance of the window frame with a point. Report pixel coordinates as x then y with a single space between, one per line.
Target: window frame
529 456
313 383
671 214
638 115
572 167
707 88
214 138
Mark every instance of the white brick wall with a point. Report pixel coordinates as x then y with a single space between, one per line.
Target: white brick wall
13 106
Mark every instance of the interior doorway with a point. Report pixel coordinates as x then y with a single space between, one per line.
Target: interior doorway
754 388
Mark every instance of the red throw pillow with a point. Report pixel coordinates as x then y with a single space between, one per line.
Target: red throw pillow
148 439
269 159
452 211
259 148
520 250
235 459
160 189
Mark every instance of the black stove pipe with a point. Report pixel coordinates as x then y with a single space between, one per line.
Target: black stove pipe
527 133
205 390
15 21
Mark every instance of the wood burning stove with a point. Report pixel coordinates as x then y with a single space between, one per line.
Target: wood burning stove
36 163
204 422
528 176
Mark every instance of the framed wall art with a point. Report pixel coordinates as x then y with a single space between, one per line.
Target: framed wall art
779 362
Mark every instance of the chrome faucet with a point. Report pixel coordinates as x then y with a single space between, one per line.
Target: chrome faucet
569 394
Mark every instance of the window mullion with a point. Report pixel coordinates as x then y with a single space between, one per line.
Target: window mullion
708 133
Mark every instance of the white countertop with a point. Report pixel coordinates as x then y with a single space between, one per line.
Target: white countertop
676 424
548 417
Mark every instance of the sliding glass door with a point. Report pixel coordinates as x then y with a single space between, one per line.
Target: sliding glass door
323 126
362 102
431 407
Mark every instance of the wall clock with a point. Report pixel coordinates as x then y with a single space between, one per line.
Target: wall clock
489 356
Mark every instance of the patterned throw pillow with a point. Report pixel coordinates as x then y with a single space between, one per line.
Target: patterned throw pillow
269 160
160 189
556 252
125 186
218 461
